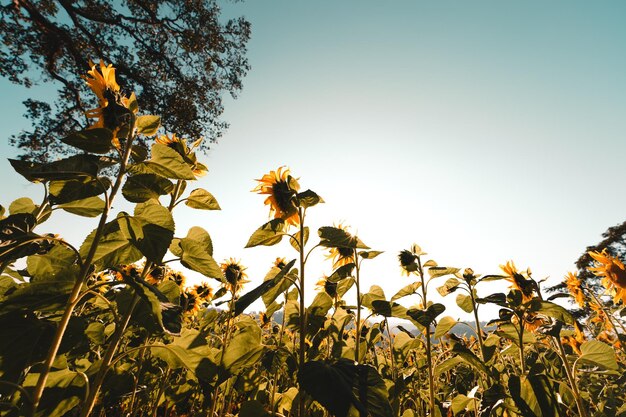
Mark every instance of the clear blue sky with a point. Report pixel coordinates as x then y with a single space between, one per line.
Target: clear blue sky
483 131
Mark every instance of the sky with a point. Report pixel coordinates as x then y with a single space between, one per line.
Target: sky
483 131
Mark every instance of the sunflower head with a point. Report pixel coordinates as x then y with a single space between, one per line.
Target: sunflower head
204 292
613 273
575 289
280 263
525 285
234 273
281 190
112 111
327 286
408 262
343 255
190 301
186 152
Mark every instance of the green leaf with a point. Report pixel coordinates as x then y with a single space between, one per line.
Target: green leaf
202 199
426 317
244 301
407 290
308 198
87 207
143 187
64 391
94 140
253 408
369 254
189 351
334 237
168 315
22 205
465 302
344 271
444 325
440 271
245 348
551 310
388 309
268 234
113 248
460 403
67 191
148 124
596 353
54 265
451 285
195 257
64 169
295 243
165 162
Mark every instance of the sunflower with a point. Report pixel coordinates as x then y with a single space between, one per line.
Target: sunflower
574 287
280 263
343 255
204 292
407 262
111 103
613 272
281 188
518 281
234 274
327 286
180 146
600 317
190 301
533 321
575 340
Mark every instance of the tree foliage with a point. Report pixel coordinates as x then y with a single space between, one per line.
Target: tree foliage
177 55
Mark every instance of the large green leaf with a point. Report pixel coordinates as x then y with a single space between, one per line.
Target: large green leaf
64 169
465 302
444 325
143 187
165 162
148 124
71 190
64 391
551 310
53 265
194 256
94 140
440 271
451 285
245 300
17 238
428 316
87 207
113 248
22 205
596 353
245 348
342 385
202 199
388 309
308 198
407 290
190 351
268 234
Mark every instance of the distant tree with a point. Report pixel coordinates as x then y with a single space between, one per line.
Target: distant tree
615 244
177 55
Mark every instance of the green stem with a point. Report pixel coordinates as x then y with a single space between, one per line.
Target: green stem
479 332
357 351
301 350
571 379
108 358
429 359
76 290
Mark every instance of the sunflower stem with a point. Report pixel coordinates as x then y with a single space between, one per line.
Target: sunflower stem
301 352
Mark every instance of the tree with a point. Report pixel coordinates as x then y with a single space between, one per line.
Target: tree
614 241
177 55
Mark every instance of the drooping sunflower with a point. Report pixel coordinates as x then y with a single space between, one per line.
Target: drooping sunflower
111 104
575 340
280 263
189 156
407 262
613 273
234 274
574 287
281 189
343 255
600 316
327 286
518 281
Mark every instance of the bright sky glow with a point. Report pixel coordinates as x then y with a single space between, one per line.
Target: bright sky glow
483 131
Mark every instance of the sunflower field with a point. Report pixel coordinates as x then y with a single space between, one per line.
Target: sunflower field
112 328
